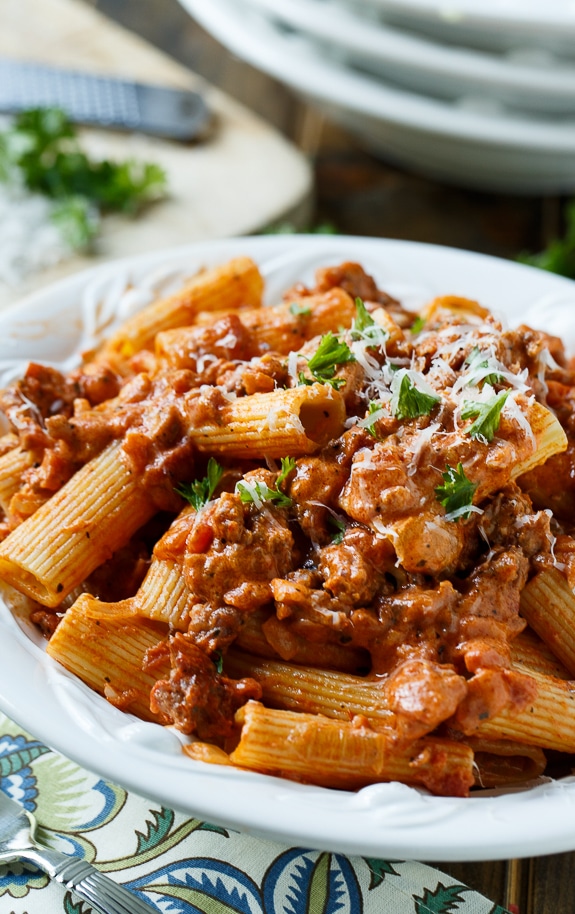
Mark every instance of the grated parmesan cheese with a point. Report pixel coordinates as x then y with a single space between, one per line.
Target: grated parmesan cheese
252 491
270 421
513 411
423 437
544 361
464 509
208 358
369 364
228 341
292 367
29 240
375 416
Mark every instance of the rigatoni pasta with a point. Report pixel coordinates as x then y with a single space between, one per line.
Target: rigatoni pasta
233 285
316 536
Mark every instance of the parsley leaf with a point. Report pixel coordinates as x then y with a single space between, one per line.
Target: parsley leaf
559 255
330 353
298 309
486 415
76 219
364 327
412 402
260 491
201 490
373 408
42 151
287 465
339 526
456 493
418 325
363 318
476 363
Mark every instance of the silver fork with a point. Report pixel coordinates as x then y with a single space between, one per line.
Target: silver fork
17 843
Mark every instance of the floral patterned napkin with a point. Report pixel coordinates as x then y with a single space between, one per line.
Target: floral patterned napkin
184 866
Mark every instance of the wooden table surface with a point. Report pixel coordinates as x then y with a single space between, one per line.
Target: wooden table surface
361 195
243 176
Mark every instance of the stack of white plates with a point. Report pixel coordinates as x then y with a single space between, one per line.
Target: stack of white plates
475 92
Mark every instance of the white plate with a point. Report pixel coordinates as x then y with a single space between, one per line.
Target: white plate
487 23
487 148
386 820
546 84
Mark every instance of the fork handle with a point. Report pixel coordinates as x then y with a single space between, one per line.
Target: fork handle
102 893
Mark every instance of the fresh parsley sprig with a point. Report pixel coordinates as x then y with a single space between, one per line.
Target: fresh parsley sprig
322 365
559 255
363 319
287 465
487 416
411 402
339 527
481 368
42 152
418 325
364 327
456 493
200 491
260 491
375 410
299 309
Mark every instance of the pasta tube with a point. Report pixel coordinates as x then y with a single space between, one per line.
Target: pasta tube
12 464
504 763
281 328
236 283
548 722
548 604
163 595
348 755
78 529
296 421
105 646
327 692
528 651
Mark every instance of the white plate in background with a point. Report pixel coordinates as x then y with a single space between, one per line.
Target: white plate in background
486 23
383 820
528 79
479 144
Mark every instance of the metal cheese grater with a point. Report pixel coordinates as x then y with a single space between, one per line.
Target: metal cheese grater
103 101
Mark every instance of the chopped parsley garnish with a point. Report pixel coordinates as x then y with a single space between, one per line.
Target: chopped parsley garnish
477 363
373 407
412 402
260 491
299 310
486 415
456 493
364 327
41 151
363 318
418 325
330 353
559 255
287 465
218 661
201 490
339 526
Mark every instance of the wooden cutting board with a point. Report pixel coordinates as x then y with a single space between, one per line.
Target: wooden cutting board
242 178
